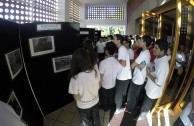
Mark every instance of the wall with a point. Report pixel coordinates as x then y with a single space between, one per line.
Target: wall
84 22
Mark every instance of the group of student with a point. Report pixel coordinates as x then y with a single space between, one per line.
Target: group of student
117 79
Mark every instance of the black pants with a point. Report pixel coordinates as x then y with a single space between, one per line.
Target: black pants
120 92
133 94
101 56
90 115
107 98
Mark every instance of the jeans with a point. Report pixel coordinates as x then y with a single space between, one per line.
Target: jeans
147 105
132 96
90 115
120 92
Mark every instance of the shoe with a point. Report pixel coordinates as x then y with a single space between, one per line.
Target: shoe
139 118
119 110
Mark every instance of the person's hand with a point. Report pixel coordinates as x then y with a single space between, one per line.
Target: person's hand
148 70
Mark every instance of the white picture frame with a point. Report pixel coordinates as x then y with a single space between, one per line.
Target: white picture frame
14 62
41 45
48 27
61 63
15 104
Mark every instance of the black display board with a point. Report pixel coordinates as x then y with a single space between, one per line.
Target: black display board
87 33
51 89
10 44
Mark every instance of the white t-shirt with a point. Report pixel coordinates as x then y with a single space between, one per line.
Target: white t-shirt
154 91
124 73
100 46
8 117
180 57
139 73
86 85
131 54
108 68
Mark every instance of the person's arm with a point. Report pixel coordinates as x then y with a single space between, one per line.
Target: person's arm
76 97
101 78
151 76
134 64
122 62
192 100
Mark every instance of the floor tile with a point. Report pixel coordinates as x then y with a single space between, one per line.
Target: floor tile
66 117
107 115
48 122
76 120
54 115
71 107
60 124
101 112
105 122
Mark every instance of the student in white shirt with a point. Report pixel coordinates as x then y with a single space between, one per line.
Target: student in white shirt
84 86
127 44
139 74
156 78
8 116
124 73
100 49
108 73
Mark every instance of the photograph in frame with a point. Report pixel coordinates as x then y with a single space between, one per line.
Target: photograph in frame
14 62
15 104
41 45
61 63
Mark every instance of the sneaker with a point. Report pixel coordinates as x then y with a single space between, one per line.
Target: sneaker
119 110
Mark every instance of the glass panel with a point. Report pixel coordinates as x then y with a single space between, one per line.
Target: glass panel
181 72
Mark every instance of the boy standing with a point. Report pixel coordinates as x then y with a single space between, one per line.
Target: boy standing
124 73
108 73
157 78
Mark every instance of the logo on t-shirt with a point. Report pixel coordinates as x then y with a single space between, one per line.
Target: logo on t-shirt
142 65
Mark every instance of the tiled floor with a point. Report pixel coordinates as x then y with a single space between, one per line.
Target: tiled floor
68 116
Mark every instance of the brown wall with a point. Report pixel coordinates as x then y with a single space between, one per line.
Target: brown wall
131 7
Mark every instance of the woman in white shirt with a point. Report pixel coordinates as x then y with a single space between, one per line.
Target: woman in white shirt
84 86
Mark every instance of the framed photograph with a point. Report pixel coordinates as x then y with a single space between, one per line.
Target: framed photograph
15 104
14 62
41 45
61 63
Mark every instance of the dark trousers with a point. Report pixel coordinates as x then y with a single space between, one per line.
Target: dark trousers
120 92
178 122
147 105
101 56
132 96
107 98
90 115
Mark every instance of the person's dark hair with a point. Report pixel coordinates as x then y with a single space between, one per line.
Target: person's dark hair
137 37
80 62
128 41
119 37
87 45
147 39
110 37
111 47
162 44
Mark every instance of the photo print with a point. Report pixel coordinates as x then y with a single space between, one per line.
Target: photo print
42 45
15 104
14 62
61 63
